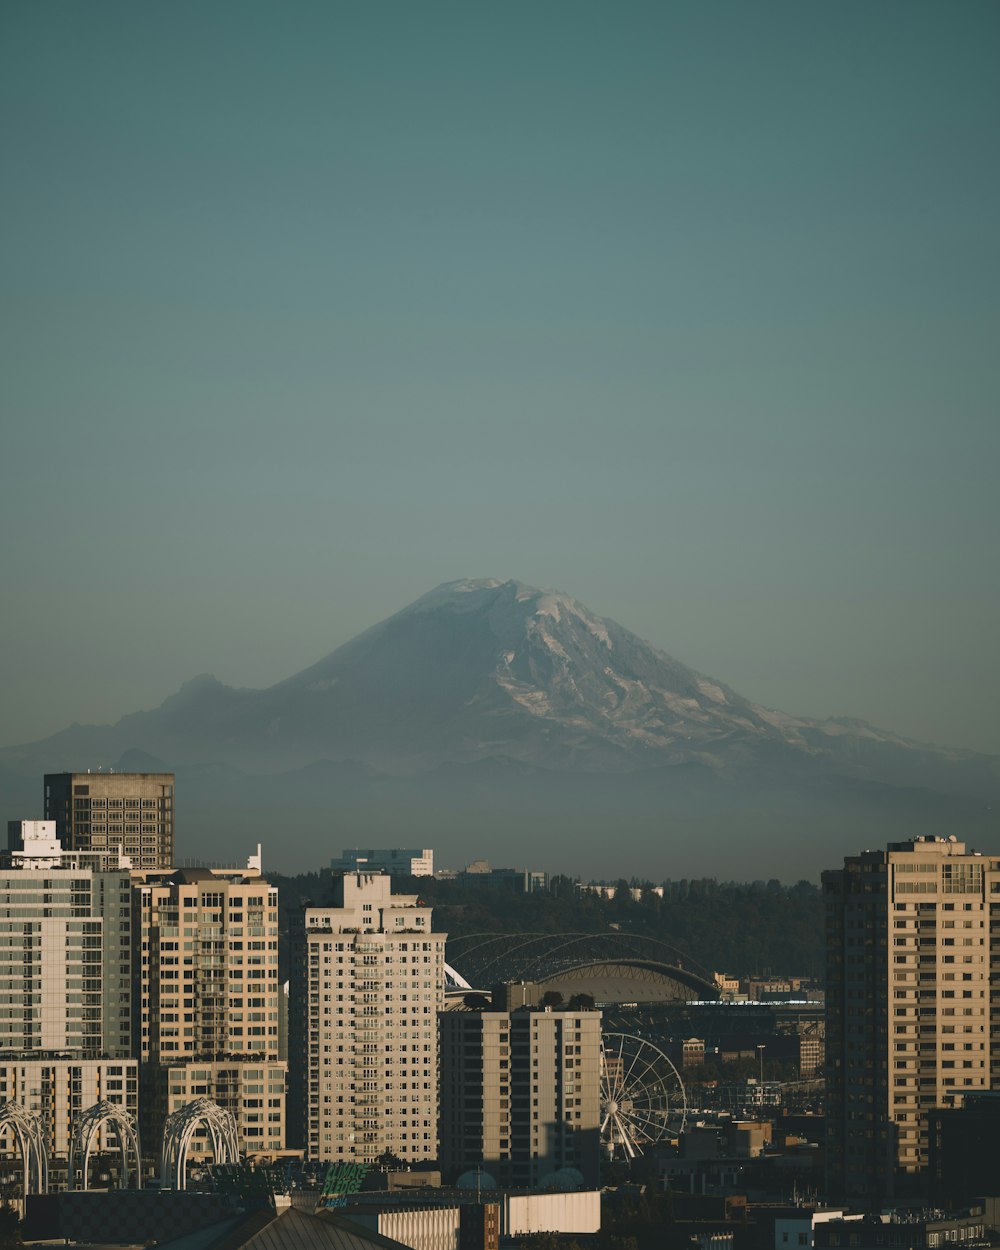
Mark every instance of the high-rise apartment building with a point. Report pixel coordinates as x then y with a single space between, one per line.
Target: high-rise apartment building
520 1093
911 1018
65 982
130 812
65 950
207 998
368 977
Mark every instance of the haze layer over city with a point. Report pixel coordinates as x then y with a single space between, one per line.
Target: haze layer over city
632 365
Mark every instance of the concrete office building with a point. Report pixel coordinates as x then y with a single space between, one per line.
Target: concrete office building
911 1018
520 1094
397 862
133 812
367 986
207 998
65 950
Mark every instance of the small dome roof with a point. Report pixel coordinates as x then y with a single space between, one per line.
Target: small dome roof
564 1178
476 1178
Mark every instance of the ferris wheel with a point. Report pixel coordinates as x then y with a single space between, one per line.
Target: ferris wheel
642 1095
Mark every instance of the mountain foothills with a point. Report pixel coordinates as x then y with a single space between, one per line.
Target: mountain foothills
490 719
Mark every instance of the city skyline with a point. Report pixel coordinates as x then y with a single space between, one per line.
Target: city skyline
153 996
688 312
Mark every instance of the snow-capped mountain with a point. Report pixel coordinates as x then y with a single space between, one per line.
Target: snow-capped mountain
481 680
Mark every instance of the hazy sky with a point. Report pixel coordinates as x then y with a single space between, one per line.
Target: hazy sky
689 310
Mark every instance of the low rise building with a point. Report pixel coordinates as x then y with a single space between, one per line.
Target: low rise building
728 986
902 1230
692 1052
517 880
394 862
475 1217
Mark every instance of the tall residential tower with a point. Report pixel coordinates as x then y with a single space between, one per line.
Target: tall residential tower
520 1094
912 932
65 949
65 981
207 998
368 977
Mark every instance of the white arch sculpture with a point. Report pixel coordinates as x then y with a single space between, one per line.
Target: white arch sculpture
179 1129
29 1130
81 1141
454 979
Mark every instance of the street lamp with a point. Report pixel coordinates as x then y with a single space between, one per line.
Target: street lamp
760 1052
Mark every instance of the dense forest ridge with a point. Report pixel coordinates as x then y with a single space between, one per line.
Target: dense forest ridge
748 929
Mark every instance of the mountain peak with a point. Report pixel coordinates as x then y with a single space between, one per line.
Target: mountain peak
194 688
471 593
484 688
479 668
463 594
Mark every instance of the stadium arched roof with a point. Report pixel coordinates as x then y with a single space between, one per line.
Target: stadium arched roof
611 967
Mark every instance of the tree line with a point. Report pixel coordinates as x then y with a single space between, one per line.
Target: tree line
745 929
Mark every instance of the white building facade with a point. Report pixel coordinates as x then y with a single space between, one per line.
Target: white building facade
368 987
65 950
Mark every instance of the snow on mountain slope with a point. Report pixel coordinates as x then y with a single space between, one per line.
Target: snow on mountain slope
488 667
483 669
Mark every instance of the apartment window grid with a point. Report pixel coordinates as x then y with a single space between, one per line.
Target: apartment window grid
920 1037
130 812
65 962
210 998
373 987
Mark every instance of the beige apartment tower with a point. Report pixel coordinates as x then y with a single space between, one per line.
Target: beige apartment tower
207 999
912 934
368 984
106 811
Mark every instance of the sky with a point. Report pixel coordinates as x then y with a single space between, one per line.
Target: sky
689 310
